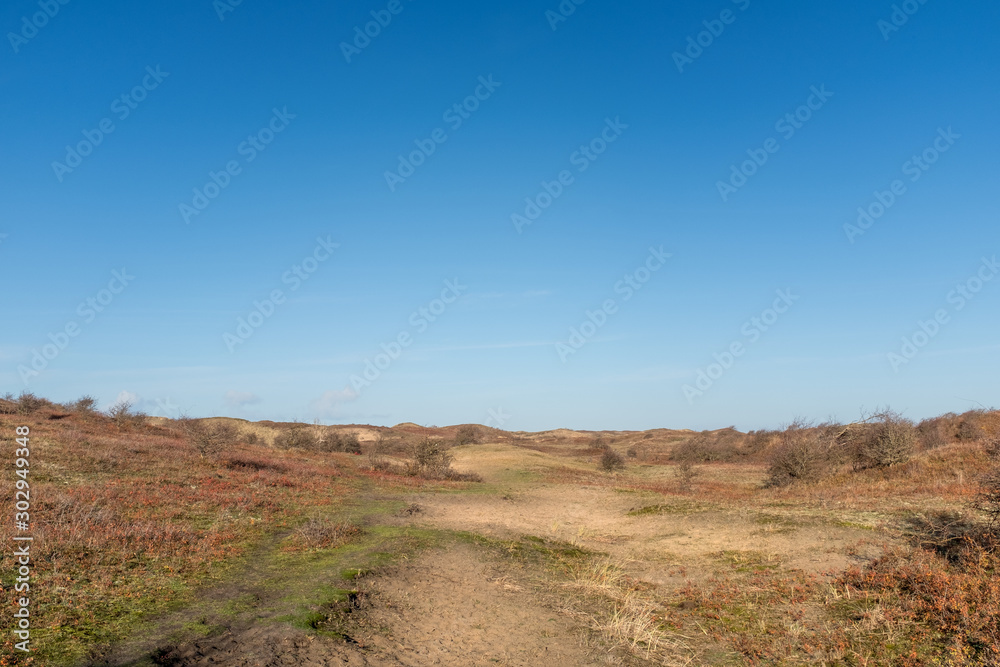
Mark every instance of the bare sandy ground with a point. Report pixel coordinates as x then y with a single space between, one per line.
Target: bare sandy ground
445 607
458 606
450 608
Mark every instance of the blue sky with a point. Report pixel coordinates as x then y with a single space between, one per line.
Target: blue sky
642 138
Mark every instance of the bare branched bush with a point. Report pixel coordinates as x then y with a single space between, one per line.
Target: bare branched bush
377 453
992 447
710 446
971 426
987 500
86 405
299 436
932 433
209 438
612 461
801 456
468 435
430 458
27 403
882 440
686 472
760 441
124 416
341 442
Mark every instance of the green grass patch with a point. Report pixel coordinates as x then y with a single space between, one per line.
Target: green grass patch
241 605
530 548
678 507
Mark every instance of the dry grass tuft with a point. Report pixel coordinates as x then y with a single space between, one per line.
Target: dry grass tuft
631 620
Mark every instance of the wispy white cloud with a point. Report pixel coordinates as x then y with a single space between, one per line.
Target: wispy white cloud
329 404
239 399
125 397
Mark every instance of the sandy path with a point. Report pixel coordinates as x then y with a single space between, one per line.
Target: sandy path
451 608
445 607
597 518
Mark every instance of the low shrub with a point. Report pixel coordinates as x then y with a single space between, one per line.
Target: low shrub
298 436
468 435
932 433
686 472
209 438
882 440
757 442
25 404
341 442
949 589
256 464
802 455
612 461
85 405
721 446
430 458
987 500
124 416
971 426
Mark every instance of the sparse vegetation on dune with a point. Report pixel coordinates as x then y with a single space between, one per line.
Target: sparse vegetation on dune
871 543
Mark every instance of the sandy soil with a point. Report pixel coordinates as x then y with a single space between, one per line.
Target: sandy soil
597 519
461 607
450 608
446 607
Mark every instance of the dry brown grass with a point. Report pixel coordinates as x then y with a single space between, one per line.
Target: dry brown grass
847 566
629 618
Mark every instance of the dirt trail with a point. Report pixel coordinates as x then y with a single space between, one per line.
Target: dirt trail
446 607
459 606
598 519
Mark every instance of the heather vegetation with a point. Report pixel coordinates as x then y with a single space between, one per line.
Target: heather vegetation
872 542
